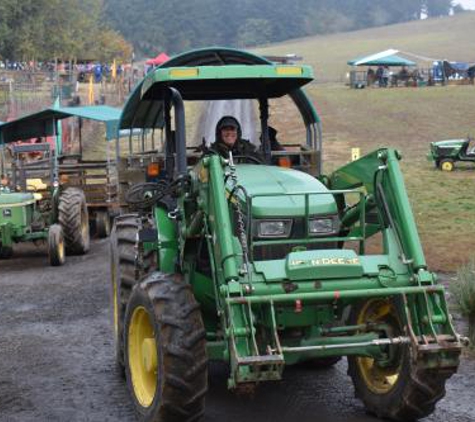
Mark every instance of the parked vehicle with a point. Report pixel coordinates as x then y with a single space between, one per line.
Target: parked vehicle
446 153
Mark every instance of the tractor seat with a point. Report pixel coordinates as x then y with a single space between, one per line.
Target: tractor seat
33 185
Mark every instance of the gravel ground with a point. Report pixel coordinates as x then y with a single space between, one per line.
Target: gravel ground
57 358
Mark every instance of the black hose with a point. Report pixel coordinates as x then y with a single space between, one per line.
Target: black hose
144 196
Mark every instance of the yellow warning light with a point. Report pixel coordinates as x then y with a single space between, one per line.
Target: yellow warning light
289 70
184 73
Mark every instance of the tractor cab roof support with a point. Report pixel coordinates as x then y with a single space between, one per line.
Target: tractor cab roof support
180 131
174 98
264 110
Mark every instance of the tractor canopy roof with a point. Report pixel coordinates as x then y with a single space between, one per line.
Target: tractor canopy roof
450 143
42 123
216 74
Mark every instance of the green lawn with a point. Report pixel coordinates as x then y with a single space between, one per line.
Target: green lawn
409 119
404 118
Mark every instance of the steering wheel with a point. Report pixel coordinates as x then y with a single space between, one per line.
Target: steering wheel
246 159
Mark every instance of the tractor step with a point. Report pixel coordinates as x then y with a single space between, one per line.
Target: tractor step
261 360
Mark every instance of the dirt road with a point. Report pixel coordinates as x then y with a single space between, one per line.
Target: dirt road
57 358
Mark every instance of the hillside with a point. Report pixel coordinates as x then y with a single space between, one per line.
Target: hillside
443 38
172 25
407 119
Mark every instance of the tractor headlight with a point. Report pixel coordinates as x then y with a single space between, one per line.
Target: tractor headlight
274 228
321 226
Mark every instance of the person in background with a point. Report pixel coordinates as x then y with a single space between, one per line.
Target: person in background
379 76
370 76
386 75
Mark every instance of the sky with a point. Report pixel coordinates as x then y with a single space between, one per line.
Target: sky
467 4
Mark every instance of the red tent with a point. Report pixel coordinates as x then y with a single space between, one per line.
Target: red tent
157 61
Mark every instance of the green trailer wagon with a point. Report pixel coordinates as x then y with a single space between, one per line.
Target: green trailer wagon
97 178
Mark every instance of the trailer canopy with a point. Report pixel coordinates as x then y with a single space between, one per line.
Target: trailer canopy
42 123
382 59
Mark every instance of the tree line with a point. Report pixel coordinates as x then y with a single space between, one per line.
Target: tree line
38 30
98 29
177 25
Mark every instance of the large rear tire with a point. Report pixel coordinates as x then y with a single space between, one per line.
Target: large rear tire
74 218
165 354
126 272
399 389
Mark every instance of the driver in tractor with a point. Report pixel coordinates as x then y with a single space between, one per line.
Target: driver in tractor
228 139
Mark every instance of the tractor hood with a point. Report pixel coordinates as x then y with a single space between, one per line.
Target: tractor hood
449 143
16 199
280 186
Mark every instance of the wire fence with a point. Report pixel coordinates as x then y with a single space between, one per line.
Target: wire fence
26 92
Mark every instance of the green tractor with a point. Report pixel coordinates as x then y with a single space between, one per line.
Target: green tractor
444 154
35 208
262 266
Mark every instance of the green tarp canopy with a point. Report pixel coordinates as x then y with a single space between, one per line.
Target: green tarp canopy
41 124
392 60
219 73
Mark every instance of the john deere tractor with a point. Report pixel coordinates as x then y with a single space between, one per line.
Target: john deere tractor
35 208
264 266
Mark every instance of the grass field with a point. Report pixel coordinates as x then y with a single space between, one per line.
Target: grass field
407 119
448 38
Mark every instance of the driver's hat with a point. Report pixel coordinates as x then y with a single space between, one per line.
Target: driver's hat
228 121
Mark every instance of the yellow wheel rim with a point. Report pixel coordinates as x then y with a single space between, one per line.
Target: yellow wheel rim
378 379
142 350
447 166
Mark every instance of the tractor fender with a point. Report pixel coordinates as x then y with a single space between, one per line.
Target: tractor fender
166 241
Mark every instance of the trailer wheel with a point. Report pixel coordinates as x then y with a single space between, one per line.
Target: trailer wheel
6 252
125 273
398 388
103 225
74 219
447 165
165 354
56 249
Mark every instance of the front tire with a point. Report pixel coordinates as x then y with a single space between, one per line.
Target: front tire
56 248
74 218
399 389
6 252
165 353
447 165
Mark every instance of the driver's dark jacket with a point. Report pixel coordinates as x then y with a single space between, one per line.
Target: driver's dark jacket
241 147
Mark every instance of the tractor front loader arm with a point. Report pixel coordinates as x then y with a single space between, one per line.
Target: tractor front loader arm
379 174
230 275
